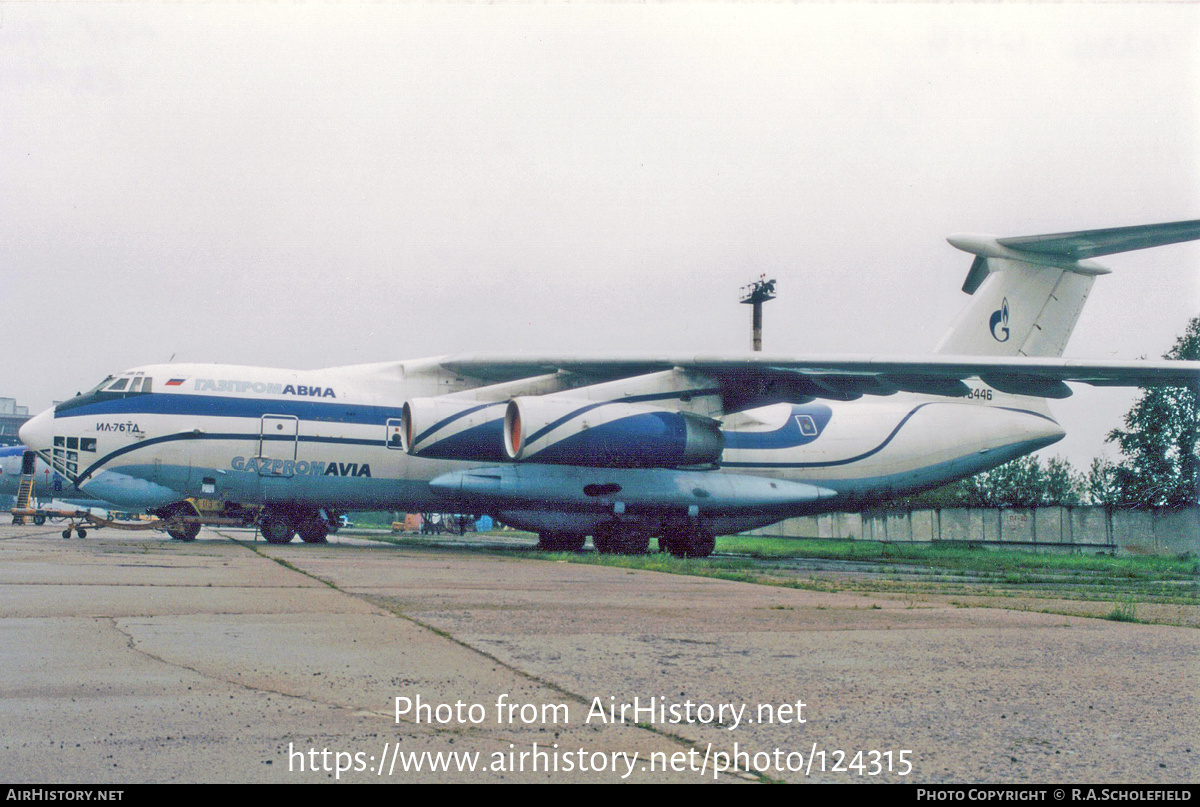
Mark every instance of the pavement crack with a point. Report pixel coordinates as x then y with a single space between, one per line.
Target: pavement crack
391 609
131 643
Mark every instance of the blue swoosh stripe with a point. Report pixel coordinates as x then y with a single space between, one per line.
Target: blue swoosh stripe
864 455
831 463
248 436
658 396
448 420
165 403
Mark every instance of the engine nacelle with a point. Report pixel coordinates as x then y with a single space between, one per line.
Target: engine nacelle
437 428
607 434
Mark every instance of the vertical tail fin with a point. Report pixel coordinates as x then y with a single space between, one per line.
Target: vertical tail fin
1028 291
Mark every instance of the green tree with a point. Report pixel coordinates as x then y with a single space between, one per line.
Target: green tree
1101 485
1161 440
1023 482
1061 484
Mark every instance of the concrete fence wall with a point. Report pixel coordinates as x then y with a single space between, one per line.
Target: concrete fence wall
1132 531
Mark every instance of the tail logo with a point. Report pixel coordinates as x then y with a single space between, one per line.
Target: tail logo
999 322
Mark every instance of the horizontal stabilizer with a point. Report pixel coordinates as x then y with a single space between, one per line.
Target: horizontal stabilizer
1029 290
1092 243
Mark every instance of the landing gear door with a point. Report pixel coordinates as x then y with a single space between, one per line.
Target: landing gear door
277 445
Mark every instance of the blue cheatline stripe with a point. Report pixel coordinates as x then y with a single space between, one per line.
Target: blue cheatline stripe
445 421
251 436
166 403
657 396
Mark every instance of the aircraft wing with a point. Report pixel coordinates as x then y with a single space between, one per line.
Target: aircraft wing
755 380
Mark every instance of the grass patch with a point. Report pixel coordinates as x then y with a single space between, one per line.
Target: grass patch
1124 610
1166 588
1005 565
963 557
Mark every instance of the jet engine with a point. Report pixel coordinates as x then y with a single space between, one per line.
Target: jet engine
607 434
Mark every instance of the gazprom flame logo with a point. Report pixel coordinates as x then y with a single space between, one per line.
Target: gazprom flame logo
999 322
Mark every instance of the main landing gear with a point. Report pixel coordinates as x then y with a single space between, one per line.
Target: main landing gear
683 540
280 524
620 539
560 542
687 541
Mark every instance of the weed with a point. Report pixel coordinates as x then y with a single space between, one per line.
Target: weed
1124 610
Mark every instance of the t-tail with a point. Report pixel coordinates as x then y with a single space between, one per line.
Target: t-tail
1028 291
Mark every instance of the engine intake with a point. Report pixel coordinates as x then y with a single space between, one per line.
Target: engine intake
453 430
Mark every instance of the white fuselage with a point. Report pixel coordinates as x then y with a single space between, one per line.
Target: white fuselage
326 438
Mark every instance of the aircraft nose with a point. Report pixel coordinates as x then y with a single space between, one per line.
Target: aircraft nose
38 432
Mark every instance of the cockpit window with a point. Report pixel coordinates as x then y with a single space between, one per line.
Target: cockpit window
96 388
109 389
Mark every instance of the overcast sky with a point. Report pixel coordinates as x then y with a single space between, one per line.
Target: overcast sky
307 184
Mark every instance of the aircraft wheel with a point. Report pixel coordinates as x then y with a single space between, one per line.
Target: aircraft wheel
187 532
618 540
695 543
604 540
183 520
313 530
277 529
702 546
635 543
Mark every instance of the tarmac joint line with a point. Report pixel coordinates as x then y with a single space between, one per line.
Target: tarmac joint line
534 679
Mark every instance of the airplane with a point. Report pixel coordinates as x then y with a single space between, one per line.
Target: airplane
682 448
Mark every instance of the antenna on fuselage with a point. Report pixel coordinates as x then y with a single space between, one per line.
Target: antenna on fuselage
755 295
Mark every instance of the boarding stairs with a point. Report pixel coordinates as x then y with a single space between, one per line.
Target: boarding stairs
24 498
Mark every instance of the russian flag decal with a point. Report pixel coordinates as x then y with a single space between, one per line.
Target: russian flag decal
175 382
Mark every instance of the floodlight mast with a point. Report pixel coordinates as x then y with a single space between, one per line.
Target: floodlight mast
755 295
